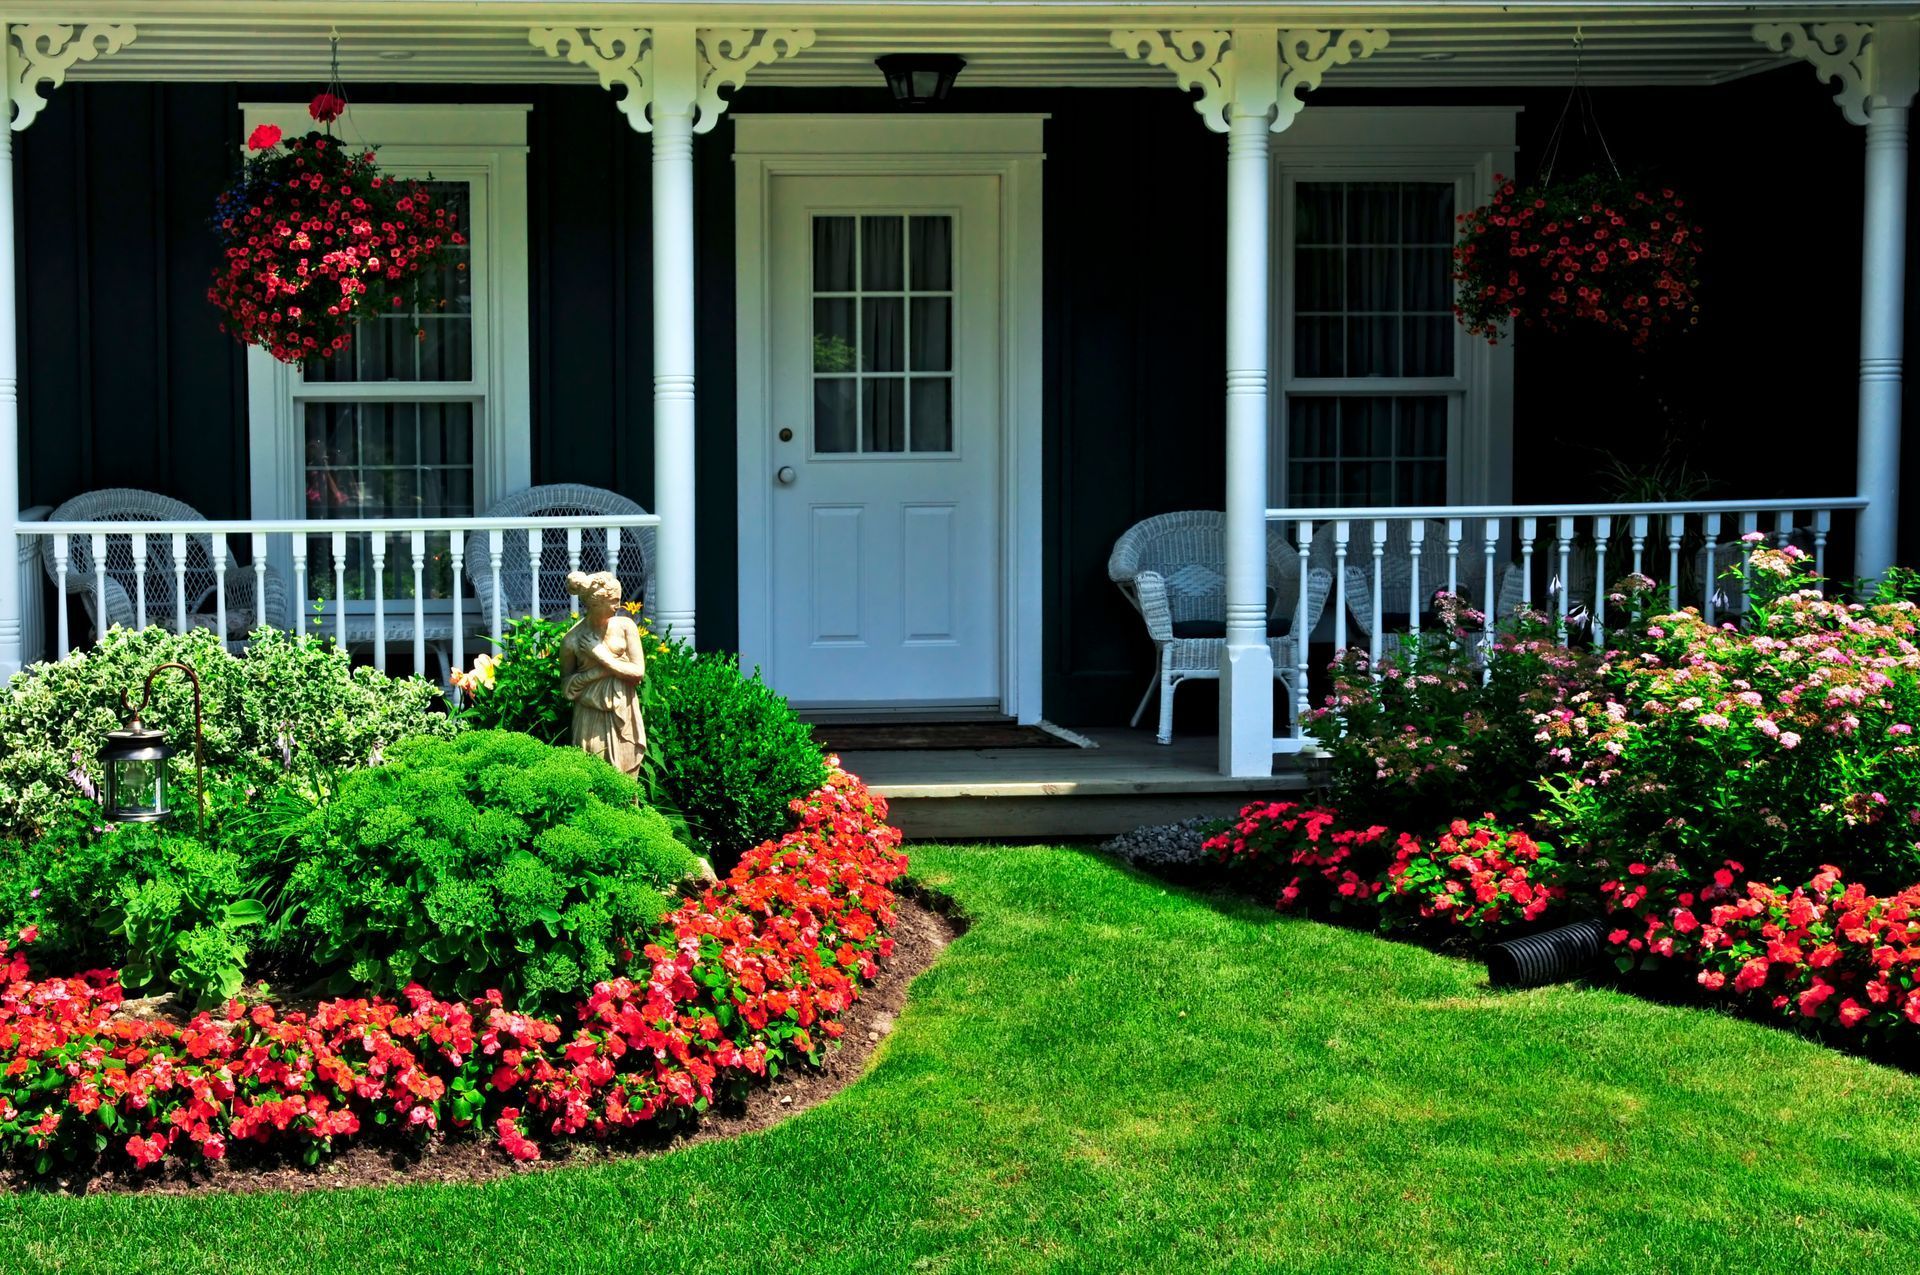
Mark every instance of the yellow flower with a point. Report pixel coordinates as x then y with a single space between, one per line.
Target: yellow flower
483 670
631 608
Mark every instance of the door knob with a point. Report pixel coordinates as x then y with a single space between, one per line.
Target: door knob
786 475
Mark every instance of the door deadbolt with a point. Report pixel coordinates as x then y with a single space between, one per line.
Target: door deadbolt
786 436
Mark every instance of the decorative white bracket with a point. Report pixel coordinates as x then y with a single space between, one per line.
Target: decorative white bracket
671 69
1870 65
43 52
1249 69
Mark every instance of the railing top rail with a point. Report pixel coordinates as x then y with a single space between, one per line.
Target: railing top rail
1370 513
351 526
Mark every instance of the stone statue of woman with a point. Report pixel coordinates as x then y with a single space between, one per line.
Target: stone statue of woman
601 665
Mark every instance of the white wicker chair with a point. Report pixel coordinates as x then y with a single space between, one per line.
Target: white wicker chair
1172 568
635 566
125 574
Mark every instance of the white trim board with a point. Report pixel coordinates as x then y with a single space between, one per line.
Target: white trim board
1009 147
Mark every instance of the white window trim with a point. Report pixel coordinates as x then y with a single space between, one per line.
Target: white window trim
482 144
1463 145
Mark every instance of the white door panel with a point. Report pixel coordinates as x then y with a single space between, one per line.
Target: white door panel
885 348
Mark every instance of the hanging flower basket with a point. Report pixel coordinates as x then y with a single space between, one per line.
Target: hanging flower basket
314 239
1599 250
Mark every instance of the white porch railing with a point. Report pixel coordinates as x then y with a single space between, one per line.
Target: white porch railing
1388 563
467 576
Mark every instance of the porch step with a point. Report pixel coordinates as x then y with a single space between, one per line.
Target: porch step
1026 793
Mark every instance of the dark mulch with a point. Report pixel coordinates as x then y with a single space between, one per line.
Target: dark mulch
926 925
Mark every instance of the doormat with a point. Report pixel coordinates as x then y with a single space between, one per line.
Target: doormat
852 737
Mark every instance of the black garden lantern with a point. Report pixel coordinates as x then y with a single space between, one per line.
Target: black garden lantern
135 759
918 79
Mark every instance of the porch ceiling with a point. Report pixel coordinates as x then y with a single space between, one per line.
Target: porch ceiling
1005 44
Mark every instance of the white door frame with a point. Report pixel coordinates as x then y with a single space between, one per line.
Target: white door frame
1008 147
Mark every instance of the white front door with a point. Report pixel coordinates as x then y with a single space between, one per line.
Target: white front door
884 361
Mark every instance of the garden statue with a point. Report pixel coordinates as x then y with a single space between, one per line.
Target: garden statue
601 665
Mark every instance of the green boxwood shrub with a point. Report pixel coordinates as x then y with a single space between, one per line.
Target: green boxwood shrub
286 702
488 860
728 747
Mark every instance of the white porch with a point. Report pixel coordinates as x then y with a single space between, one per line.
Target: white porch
1250 69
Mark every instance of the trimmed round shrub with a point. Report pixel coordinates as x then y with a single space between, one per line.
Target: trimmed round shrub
728 748
491 860
285 703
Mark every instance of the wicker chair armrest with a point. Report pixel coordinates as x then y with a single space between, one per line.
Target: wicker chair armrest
1150 595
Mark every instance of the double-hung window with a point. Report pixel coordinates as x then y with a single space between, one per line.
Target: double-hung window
1383 400
425 414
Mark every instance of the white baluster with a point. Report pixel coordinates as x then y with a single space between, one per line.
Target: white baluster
300 546
1340 531
1455 526
573 564
1749 523
457 550
1566 575
1303 539
259 548
1676 532
1783 528
419 601
1529 532
218 545
1602 532
60 567
179 582
495 544
1487 619
99 586
140 579
1710 587
340 589
1375 639
1822 524
536 544
378 544
1640 525
1416 603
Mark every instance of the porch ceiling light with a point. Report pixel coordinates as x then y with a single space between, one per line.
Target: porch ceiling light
918 79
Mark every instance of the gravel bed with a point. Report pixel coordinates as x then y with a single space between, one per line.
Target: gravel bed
1167 845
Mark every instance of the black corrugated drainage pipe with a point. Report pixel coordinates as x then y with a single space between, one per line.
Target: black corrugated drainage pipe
1551 956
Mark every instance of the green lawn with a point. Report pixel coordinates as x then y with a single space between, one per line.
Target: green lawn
1106 1074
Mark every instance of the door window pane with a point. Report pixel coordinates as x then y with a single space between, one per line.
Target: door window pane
1371 279
883 344
1366 450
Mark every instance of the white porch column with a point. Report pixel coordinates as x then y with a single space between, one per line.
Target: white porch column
1883 262
1246 671
670 78
673 400
12 459
1877 71
1251 81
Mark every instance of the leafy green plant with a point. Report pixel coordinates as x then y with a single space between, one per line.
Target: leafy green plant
169 910
283 702
517 686
491 860
730 750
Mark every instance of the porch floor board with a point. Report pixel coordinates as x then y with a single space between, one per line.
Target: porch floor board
1060 792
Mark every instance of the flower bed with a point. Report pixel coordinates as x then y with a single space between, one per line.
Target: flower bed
729 986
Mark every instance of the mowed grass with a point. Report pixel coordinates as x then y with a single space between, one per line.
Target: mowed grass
1109 1074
